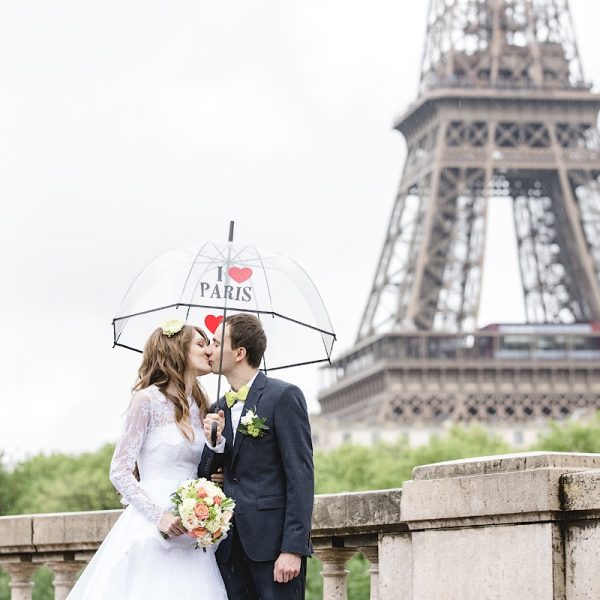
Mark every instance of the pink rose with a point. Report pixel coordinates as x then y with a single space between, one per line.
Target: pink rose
201 493
201 511
198 532
217 499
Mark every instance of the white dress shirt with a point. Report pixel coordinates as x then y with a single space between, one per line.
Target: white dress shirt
236 415
237 408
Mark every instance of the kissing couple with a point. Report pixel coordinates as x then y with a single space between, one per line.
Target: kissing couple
262 456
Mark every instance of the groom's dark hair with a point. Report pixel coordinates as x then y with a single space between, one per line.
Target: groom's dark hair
246 331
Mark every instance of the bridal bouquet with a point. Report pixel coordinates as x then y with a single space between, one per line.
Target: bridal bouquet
204 509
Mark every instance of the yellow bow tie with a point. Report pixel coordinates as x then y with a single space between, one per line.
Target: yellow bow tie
232 397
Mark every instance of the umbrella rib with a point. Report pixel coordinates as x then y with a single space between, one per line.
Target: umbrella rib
191 269
212 261
265 274
300 364
227 263
275 314
151 310
128 347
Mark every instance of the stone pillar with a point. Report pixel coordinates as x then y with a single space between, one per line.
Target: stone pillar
492 527
334 572
65 575
21 586
371 553
395 566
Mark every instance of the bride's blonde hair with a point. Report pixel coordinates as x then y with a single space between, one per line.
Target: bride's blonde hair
165 361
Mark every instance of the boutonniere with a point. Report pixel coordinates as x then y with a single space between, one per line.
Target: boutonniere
253 425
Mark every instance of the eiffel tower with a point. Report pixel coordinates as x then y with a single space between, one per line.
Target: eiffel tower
503 111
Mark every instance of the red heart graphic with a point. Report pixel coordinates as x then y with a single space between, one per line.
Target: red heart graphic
212 322
240 275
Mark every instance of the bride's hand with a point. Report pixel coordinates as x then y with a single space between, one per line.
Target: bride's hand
171 525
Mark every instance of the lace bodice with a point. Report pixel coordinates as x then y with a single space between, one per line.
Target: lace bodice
164 456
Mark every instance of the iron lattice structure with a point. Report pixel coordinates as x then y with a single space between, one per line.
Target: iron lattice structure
503 111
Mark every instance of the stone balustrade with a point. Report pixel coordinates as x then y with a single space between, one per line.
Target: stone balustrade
523 526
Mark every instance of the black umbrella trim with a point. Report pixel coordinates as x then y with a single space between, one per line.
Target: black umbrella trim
217 308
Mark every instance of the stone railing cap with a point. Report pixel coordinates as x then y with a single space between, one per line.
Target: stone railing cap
507 463
356 512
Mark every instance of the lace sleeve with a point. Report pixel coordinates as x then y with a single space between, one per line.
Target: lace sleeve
126 453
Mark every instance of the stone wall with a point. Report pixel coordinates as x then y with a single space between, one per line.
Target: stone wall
523 527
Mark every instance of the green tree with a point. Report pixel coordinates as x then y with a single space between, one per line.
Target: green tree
571 436
63 483
353 468
6 491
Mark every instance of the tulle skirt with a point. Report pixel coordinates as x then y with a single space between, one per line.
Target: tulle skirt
135 563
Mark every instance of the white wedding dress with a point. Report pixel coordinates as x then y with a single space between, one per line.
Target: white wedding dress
134 562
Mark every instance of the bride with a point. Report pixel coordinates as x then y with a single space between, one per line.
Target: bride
163 434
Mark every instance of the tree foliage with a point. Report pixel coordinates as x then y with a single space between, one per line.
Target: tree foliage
61 483
353 468
573 436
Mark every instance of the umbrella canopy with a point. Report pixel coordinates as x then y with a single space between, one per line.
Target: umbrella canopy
201 284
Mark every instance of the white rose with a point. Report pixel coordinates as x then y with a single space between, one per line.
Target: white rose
213 489
227 516
191 523
247 418
186 508
212 526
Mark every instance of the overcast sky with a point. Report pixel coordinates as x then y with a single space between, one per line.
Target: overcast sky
128 129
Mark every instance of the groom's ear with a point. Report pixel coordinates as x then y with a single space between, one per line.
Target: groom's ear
240 354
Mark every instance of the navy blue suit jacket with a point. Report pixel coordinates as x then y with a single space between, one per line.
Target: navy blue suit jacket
271 478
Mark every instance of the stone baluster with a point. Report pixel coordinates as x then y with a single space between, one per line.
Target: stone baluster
21 586
371 553
334 572
65 575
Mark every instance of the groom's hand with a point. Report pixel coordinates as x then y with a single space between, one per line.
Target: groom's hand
218 477
211 418
287 566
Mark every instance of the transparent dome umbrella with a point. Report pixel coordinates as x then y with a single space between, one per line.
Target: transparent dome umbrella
202 284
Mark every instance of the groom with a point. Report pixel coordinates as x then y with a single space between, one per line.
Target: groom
268 472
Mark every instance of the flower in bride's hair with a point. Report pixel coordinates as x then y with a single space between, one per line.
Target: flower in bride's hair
172 326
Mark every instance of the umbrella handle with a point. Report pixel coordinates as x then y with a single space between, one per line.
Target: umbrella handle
213 434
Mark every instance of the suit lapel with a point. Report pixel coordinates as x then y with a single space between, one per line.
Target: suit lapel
251 402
